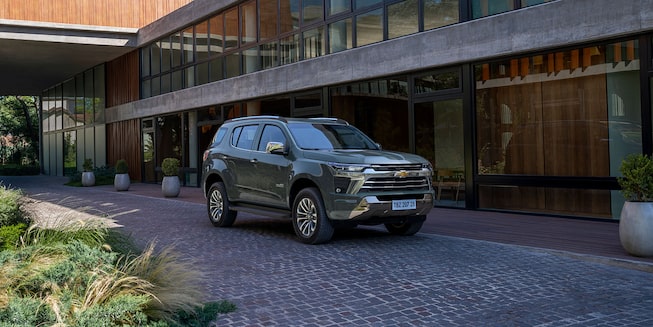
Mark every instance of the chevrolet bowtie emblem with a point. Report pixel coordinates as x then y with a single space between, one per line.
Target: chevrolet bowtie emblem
401 174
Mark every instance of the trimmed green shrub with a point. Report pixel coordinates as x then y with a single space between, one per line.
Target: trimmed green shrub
121 167
88 164
170 167
637 181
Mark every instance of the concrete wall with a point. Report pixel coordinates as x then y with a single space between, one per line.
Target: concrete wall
551 25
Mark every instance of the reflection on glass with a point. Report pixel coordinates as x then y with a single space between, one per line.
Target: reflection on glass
482 8
216 32
338 6
250 60
269 55
248 22
369 27
232 64
365 3
187 40
312 11
314 45
202 40
268 19
289 49
289 15
546 115
70 152
231 28
438 13
402 18
437 82
340 35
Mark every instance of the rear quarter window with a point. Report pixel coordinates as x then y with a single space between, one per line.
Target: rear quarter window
219 135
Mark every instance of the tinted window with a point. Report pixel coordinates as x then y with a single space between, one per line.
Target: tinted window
219 136
245 136
271 133
328 137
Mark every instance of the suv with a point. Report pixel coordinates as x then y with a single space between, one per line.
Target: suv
321 172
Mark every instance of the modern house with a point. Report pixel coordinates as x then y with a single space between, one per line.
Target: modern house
521 105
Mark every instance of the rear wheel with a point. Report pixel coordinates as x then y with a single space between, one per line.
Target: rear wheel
218 206
405 228
309 217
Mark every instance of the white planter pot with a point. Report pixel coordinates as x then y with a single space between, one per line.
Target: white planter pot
88 178
170 186
121 182
636 228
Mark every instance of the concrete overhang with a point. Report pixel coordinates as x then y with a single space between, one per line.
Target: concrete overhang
37 55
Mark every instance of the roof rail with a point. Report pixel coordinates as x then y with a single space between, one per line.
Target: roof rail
332 119
258 117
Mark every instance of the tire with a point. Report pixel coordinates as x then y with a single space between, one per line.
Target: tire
218 206
404 229
309 218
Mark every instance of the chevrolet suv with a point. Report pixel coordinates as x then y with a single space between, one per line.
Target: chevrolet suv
322 173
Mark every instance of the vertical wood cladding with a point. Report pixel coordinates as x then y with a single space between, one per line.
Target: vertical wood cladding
124 142
122 83
119 13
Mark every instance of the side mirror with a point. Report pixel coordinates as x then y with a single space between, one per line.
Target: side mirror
275 148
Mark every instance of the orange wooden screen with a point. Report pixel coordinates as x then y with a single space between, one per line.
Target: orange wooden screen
122 82
124 142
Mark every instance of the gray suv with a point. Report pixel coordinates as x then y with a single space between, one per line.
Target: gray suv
322 173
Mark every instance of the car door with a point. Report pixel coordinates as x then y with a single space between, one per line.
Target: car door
239 162
273 170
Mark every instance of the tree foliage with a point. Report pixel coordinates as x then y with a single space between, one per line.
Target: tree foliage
19 129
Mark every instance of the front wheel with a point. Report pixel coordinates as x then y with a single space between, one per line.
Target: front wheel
405 228
310 221
218 206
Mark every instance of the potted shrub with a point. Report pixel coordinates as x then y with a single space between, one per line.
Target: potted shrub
121 180
636 221
88 177
170 186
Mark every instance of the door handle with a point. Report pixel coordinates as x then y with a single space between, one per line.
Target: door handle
253 160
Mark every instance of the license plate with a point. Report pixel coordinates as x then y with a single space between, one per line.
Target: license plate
404 204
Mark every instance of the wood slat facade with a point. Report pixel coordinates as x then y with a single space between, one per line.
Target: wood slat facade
122 83
124 142
117 13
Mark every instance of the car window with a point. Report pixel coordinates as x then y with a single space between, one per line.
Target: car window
219 135
271 133
328 137
246 136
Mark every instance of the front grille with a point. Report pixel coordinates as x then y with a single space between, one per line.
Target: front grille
381 184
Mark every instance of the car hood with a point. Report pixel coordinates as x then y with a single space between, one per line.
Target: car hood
364 156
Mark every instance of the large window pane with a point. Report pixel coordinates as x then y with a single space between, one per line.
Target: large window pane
250 60
289 49
437 81
365 3
232 64
187 41
202 41
439 13
269 57
69 101
569 113
312 11
482 8
166 55
217 69
145 61
89 98
176 49
340 36
248 22
216 42
99 93
268 19
402 18
314 45
231 29
379 108
369 27
155 53
338 6
289 15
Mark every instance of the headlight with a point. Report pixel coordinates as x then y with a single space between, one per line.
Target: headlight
347 168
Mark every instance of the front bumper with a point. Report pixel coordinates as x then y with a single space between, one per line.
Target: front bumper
371 207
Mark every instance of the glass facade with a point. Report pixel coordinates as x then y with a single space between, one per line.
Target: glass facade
566 114
71 113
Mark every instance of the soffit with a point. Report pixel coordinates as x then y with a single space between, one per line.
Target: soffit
36 55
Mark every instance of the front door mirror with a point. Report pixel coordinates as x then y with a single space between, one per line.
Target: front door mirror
275 148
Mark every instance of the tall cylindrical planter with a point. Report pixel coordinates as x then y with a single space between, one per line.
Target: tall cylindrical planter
636 228
170 186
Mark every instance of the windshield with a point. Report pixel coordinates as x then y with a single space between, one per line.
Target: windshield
318 136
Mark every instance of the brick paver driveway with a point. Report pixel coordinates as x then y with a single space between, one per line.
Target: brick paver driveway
366 277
